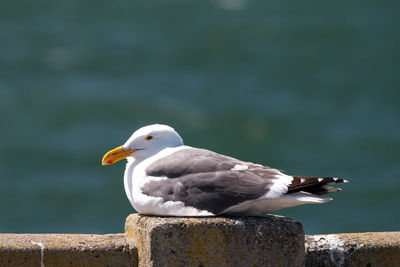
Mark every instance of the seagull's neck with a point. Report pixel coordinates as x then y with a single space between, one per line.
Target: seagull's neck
134 161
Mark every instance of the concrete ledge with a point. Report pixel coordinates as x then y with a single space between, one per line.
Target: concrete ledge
356 249
67 250
217 241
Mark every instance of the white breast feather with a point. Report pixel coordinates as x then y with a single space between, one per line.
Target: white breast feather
135 178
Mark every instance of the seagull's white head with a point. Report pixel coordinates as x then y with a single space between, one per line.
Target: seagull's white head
144 143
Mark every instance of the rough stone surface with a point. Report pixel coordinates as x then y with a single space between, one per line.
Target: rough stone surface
217 241
356 249
67 250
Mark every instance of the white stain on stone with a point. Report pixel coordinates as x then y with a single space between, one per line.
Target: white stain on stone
334 246
41 245
239 167
239 222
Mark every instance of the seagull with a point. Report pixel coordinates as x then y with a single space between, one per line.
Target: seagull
167 178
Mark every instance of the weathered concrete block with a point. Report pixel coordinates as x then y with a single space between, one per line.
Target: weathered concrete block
217 241
67 250
356 249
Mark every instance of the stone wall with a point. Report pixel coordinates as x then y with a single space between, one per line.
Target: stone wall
221 241
67 250
358 249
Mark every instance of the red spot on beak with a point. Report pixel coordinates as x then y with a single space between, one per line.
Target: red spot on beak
110 162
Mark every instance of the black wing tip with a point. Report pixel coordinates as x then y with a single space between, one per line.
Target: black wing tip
315 185
321 179
339 180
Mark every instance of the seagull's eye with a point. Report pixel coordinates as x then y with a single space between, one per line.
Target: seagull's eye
149 137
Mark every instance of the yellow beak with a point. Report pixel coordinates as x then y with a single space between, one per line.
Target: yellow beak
116 154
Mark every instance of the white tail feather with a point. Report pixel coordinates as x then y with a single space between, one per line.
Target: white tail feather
305 197
261 207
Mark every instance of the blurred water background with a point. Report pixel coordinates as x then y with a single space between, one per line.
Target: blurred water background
308 87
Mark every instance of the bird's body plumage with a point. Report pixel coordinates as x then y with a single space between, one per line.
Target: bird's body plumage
165 177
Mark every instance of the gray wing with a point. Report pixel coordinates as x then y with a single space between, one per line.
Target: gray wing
207 180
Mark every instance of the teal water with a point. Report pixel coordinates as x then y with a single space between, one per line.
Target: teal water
311 88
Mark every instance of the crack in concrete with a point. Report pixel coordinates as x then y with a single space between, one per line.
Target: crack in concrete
41 245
